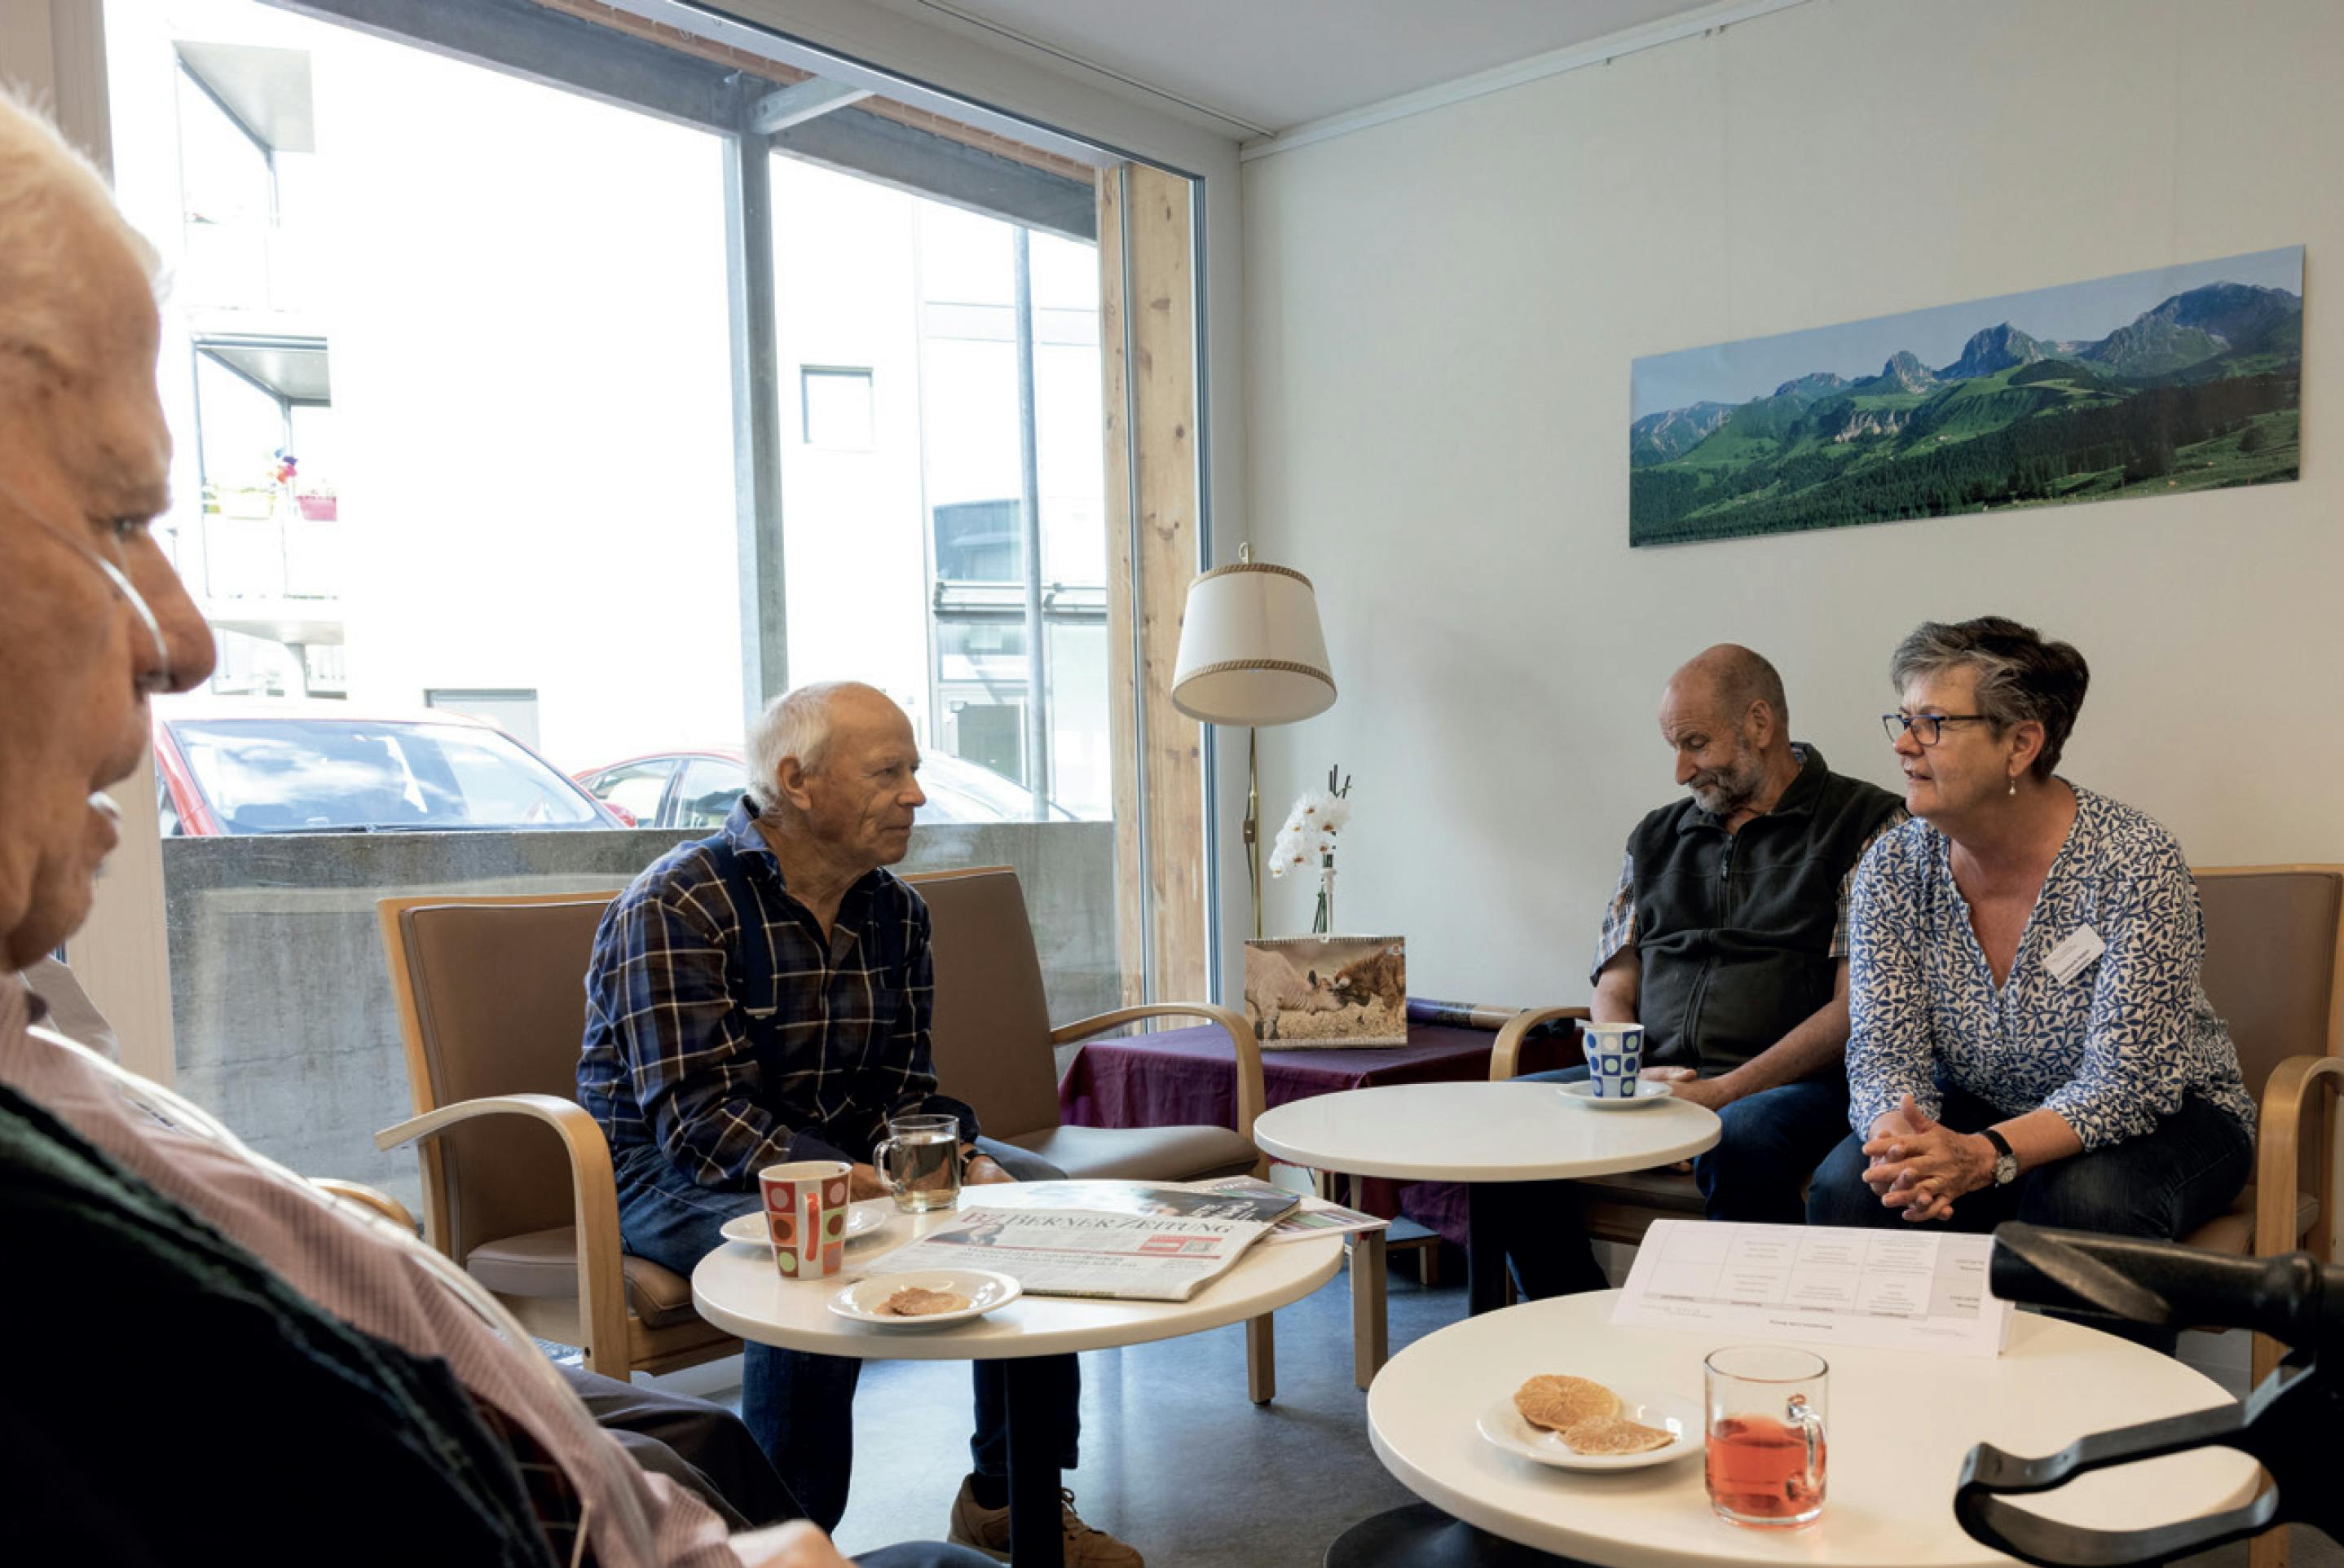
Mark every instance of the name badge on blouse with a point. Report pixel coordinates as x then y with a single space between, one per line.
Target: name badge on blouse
2075 956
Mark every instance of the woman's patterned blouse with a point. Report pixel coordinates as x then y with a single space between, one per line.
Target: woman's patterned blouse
2112 1050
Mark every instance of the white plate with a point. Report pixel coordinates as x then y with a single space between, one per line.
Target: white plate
866 1219
1502 1424
985 1290
1652 1092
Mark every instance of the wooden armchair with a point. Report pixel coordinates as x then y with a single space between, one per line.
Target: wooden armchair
518 1187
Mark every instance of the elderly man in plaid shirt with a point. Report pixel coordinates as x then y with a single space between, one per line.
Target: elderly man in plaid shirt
764 994
1727 940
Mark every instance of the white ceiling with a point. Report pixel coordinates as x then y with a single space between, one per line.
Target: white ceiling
1271 64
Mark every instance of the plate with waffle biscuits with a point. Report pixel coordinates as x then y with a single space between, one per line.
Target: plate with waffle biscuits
1578 1423
929 1298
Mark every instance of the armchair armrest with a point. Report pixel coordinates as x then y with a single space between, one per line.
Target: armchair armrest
593 1196
1506 1056
1251 1092
371 1198
2291 1092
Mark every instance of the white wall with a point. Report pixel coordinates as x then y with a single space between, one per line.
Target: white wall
1441 313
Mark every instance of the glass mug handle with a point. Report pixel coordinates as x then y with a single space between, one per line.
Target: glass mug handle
1810 1427
882 1161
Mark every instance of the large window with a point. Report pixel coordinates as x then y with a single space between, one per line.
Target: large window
464 371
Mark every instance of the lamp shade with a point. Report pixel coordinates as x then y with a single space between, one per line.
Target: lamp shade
1251 651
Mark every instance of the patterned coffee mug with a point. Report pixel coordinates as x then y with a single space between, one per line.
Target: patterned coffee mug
1615 1055
805 1215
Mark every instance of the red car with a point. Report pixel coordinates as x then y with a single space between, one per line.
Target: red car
318 767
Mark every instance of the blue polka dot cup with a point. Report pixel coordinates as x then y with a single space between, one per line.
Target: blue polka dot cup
1615 1055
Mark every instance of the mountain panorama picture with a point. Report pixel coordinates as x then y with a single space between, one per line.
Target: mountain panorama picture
2152 383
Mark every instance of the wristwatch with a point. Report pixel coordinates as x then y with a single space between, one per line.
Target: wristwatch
2005 1162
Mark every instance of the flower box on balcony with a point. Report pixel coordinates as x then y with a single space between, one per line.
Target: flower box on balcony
251 505
319 508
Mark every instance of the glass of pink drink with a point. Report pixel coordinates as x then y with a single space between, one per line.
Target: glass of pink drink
1765 1448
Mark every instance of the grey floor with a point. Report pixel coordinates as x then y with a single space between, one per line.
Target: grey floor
1176 1462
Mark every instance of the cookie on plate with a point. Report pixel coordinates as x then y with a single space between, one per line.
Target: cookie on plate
1558 1402
1613 1434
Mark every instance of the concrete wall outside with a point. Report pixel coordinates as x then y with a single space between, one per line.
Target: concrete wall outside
282 1007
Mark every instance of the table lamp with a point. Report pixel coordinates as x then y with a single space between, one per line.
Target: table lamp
1251 653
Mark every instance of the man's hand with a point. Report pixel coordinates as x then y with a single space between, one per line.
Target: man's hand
981 1171
797 1544
864 1182
1684 1084
1920 1166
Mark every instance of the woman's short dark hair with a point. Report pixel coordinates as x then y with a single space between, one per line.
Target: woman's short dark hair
2020 675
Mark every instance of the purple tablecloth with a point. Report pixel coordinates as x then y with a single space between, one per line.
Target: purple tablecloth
1188 1078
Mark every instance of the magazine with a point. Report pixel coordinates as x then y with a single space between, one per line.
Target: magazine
1313 1217
1123 1257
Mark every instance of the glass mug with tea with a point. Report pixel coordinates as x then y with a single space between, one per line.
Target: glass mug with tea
1765 1423
920 1158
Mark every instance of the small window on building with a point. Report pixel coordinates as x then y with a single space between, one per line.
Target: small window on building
835 404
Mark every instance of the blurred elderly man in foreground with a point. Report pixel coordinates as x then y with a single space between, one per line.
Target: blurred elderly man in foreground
230 1367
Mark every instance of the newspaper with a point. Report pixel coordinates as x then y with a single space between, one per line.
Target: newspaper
1256 1200
1083 1252
1312 1217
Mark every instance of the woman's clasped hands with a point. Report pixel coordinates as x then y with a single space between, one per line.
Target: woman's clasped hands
1920 1166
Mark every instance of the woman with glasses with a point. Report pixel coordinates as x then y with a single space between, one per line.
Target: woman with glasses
2030 1039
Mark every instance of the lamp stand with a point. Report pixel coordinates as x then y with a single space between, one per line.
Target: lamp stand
1253 825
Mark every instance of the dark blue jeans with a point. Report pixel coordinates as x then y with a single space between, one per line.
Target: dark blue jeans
1769 1143
800 1407
2161 1185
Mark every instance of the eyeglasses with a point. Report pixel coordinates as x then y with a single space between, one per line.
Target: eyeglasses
157 678
1925 727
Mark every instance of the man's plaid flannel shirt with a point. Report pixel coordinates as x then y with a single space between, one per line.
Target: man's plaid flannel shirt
668 1059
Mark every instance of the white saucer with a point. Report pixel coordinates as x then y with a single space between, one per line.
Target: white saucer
864 1219
1503 1425
1651 1092
985 1290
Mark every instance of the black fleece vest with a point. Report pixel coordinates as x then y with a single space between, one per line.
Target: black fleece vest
1734 931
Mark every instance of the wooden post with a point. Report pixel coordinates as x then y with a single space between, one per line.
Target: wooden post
1147 327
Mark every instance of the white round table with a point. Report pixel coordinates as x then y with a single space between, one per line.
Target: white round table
1476 1133
1900 1423
737 1288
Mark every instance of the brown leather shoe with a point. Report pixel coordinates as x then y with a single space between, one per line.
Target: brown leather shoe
987 1530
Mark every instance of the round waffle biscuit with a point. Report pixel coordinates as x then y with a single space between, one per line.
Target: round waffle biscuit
1614 1434
1558 1402
912 1301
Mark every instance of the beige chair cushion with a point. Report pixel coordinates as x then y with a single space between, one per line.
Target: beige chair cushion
2270 960
1142 1153
2233 1230
991 1032
501 997
545 1263
1670 1190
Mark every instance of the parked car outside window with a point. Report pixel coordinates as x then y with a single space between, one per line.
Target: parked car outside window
300 770
958 791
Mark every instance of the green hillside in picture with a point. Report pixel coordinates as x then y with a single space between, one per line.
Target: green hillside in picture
2199 392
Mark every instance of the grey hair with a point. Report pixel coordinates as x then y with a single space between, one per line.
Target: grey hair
794 724
44 267
2021 675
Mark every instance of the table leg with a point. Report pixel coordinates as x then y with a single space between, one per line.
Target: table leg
1037 1538
1370 1331
1261 1359
1485 1252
